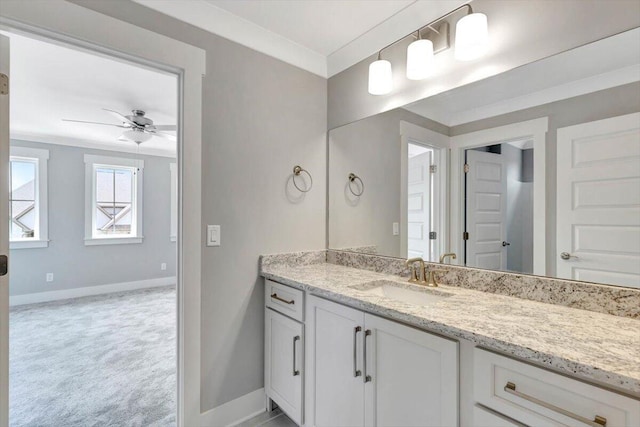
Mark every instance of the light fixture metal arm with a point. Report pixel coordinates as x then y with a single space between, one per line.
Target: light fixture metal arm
446 15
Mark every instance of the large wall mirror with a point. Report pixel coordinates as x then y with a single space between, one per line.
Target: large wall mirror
536 170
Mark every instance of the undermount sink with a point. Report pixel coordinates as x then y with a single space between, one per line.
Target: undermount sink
407 293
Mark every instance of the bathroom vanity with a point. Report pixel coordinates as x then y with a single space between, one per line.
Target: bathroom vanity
351 346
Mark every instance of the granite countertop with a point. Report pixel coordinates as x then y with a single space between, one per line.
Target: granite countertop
591 346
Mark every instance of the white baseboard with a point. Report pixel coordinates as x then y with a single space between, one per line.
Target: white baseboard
89 290
236 411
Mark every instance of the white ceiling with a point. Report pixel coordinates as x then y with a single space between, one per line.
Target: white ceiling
606 63
51 82
320 36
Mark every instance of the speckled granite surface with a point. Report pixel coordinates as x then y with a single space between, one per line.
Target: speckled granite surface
593 346
585 296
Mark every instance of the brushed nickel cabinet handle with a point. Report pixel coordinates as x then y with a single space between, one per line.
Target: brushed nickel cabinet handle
295 371
598 421
365 378
356 371
275 296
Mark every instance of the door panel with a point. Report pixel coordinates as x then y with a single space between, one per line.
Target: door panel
4 237
598 201
284 356
419 206
335 394
486 210
414 376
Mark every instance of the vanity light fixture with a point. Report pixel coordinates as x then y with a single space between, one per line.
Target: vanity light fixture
472 41
380 77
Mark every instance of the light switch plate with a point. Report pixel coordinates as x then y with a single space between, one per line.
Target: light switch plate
396 228
213 235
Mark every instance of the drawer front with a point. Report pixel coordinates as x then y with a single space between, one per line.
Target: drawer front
536 396
483 417
285 299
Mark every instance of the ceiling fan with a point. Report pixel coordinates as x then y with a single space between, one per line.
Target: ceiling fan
139 128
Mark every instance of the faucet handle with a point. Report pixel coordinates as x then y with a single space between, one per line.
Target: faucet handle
431 279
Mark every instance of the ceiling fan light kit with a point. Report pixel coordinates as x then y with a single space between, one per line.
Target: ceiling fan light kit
472 42
139 127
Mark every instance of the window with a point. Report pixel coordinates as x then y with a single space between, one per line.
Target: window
114 200
28 198
173 170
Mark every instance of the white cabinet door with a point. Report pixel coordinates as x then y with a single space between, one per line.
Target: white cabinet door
284 346
413 376
598 218
335 387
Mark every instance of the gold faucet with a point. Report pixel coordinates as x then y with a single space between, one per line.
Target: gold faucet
426 276
414 273
443 256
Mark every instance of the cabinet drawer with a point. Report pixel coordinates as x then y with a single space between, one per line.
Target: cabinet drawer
285 299
483 417
535 396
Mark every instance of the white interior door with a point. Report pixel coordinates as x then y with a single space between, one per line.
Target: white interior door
486 210
4 235
419 206
598 201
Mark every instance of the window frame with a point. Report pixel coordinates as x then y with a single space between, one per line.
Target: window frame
92 163
40 157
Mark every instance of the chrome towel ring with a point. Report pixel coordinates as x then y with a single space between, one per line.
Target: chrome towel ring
353 177
297 170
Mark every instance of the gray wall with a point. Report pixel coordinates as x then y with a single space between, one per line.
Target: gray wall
75 265
260 118
371 149
599 105
521 32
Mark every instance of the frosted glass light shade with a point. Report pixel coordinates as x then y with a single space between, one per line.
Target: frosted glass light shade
420 61
136 135
380 77
472 37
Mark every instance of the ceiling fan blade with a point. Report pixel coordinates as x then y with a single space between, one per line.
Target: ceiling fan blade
120 117
165 127
95 123
164 135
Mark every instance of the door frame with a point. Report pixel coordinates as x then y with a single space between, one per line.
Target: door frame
536 130
71 24
411 133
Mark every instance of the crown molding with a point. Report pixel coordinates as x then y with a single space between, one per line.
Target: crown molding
218 21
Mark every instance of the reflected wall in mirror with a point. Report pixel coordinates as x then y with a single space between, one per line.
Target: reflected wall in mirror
552 183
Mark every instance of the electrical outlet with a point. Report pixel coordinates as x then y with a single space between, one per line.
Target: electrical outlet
163 266
49 277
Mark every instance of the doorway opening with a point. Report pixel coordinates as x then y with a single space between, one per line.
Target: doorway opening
498 206
93 235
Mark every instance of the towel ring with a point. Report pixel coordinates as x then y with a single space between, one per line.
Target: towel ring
297 170
352 178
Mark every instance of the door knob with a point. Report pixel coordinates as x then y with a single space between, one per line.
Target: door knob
506 244
567 255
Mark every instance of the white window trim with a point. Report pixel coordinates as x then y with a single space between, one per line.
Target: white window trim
173 233
91 161
41 239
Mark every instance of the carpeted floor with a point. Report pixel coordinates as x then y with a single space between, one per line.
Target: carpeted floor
107 360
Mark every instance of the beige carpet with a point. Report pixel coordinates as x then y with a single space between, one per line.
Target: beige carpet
107 360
